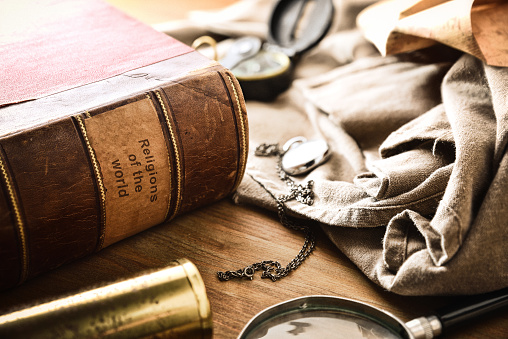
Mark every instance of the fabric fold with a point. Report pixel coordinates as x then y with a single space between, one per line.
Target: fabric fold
415 190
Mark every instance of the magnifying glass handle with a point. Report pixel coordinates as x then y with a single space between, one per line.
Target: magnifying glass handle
431 326
475 307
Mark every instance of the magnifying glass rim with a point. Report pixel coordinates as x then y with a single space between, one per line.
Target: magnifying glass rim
345 304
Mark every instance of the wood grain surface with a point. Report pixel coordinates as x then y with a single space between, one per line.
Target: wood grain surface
226 236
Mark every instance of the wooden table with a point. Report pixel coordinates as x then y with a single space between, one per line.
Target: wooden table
225 236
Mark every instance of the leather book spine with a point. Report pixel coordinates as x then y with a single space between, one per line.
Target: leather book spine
73 186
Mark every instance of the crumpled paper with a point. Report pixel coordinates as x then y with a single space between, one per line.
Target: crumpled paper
472 26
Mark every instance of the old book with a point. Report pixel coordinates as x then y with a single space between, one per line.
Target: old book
107 128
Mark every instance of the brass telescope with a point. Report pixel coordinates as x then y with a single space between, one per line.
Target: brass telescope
167 303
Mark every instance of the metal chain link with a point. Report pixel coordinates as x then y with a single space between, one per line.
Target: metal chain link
303 193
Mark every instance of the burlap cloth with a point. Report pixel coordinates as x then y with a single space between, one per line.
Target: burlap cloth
415 193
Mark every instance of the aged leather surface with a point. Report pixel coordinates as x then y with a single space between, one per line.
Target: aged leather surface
54 176
10 269
51 173
208 140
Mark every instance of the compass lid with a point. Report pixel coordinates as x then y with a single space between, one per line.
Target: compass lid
298 25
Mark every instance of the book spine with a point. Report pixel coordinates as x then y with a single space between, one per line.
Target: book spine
79 184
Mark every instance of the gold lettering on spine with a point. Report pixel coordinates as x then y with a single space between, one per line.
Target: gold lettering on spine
178 160
98 177
17 219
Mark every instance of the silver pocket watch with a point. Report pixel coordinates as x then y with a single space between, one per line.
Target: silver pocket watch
301 156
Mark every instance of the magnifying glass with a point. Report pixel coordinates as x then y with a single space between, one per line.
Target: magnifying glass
335 317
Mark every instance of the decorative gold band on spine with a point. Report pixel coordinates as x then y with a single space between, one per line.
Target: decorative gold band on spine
18 219
98 177
178 160
243 137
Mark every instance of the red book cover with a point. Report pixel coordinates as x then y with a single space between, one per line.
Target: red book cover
48 46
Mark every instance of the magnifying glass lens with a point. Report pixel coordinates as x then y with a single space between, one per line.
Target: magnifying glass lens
320 324
324 317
